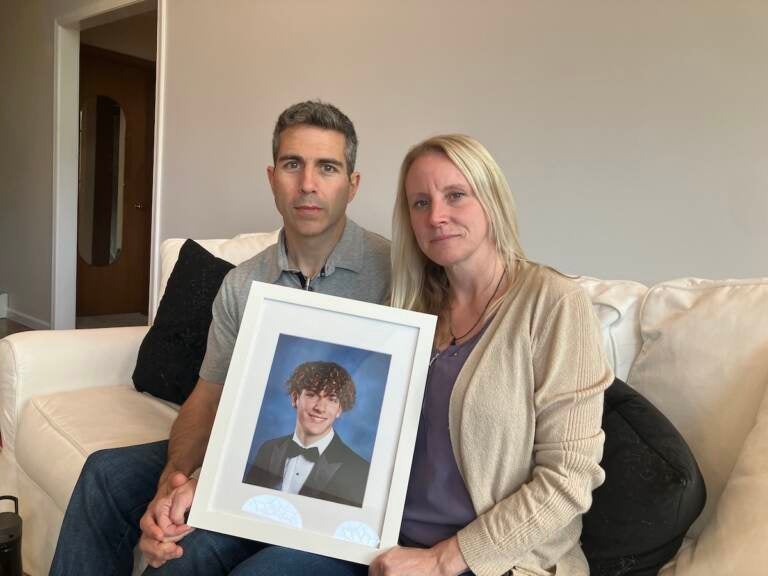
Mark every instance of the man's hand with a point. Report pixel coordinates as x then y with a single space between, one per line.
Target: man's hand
443 559
164 522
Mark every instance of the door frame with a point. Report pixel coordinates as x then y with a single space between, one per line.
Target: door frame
65 133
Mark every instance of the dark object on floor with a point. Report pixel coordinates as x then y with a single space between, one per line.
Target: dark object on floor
10 540
172 351
653 490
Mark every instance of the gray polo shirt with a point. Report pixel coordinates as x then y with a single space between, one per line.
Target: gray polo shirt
357 268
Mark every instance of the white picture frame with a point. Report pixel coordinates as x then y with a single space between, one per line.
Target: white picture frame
281 328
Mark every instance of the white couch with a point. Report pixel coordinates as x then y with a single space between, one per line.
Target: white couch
697 349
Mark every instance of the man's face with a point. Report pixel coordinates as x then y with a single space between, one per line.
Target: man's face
315 414
310 183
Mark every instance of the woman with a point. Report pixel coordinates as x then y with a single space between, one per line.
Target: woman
509 442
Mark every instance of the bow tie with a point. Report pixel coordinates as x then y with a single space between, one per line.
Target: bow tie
311 454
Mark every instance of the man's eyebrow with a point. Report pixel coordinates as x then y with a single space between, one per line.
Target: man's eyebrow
298 158
332 161
285 157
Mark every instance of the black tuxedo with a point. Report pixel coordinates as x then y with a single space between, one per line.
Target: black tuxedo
339 475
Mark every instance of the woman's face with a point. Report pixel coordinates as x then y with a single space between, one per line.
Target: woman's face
446 216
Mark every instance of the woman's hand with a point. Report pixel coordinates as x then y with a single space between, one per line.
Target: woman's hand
443 559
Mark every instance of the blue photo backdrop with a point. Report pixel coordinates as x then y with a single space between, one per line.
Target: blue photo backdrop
357 427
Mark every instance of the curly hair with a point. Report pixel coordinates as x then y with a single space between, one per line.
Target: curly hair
327 377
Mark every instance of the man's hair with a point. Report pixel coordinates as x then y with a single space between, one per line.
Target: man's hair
321 115
327 377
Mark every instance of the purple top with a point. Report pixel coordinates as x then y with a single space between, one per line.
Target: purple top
437 504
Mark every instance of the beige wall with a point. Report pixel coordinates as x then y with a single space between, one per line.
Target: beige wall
633 133
26 117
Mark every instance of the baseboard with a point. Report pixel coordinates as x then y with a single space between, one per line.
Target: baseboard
27 320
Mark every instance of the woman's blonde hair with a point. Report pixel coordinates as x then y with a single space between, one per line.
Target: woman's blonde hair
417 282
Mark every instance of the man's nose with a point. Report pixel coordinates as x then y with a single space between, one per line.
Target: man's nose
308 184
319 405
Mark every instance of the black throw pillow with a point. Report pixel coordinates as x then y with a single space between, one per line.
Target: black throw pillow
653 490
172 351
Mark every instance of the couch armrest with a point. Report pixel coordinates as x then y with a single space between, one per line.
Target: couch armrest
43 362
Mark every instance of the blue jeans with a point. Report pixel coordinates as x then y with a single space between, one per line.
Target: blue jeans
101 528
273 560
101 525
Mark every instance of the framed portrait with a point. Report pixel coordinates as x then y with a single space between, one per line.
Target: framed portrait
314 435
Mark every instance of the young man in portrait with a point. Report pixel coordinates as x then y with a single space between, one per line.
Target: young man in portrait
314 461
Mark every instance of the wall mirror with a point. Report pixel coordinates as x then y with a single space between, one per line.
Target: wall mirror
100 181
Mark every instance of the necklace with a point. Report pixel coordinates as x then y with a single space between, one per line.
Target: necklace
454 338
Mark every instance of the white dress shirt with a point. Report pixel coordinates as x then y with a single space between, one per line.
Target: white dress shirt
298 468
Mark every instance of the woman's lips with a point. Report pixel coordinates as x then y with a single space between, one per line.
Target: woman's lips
444 237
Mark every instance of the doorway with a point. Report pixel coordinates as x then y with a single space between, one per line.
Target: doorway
116 134
134 30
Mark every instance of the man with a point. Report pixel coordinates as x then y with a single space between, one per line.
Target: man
314 461
142 493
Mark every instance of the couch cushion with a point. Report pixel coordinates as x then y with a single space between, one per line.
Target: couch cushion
47 361
58 431
704 363
733 542
170 356
617 305
653 489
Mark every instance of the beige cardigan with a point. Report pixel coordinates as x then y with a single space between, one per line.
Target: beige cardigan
525 417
